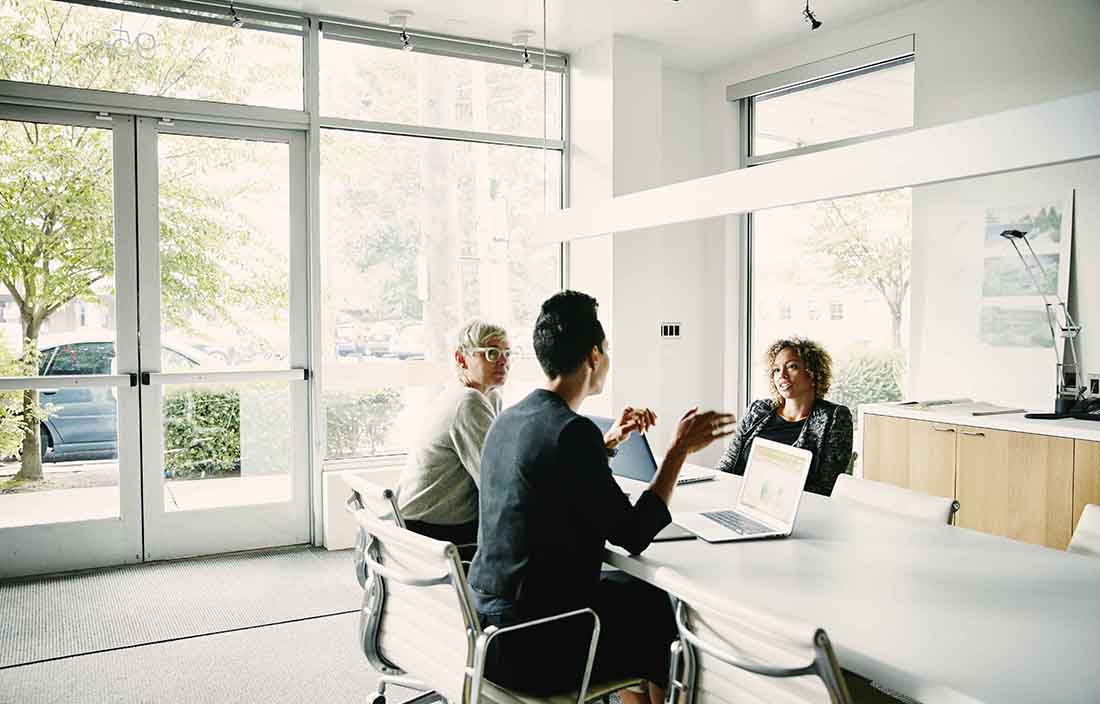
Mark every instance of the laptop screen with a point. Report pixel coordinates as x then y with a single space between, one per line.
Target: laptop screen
774 477
634 459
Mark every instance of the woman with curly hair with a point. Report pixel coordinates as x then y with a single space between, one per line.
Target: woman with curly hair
799 374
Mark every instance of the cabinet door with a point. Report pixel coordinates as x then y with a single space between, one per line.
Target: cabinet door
1086 477
1017 485
914 454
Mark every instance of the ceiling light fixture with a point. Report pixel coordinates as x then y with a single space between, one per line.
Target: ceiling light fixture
809 15
400 19
237 21
522 37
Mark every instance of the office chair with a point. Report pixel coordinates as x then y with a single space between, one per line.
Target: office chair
375 496
417 625
1086 536
895 499
731 653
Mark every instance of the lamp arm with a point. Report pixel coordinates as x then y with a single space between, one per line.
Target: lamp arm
1065 324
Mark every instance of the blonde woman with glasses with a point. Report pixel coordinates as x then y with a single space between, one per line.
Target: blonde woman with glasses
438 490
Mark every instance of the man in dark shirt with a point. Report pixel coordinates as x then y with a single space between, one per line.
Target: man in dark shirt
548 503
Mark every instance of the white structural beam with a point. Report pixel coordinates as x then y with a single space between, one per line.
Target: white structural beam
1047 133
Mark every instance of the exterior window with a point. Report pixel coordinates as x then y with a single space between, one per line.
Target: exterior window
432 233
856 250
364 82
79 46
855 104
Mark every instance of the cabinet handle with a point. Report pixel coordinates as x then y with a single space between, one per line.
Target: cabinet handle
972 434
943 430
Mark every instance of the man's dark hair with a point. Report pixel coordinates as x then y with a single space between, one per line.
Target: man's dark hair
566 331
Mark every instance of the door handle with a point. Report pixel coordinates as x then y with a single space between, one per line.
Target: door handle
943 430
972 434
47 392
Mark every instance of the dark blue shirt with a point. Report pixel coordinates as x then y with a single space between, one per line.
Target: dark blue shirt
548 503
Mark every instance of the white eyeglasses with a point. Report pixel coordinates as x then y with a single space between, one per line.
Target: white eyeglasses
492 354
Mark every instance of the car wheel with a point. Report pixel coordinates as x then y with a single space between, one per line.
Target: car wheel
44 443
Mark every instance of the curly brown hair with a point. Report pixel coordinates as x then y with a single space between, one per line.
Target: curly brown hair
817 361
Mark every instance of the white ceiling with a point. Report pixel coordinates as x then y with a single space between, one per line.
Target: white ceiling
695 35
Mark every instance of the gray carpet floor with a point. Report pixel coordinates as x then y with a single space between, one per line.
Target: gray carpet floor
63 616
316 660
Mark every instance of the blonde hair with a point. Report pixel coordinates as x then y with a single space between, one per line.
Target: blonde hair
475 333
814 358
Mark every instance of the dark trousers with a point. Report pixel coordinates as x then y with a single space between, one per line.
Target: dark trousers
462 535
636 629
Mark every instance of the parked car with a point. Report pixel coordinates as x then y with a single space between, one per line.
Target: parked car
347 340
83 421
410 343
379 339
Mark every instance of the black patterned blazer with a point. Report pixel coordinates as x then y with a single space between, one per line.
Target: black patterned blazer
827 434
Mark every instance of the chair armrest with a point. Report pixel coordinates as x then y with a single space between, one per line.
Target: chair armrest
481 649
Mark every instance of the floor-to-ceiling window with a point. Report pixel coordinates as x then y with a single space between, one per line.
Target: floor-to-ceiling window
835 271
433 176
156 243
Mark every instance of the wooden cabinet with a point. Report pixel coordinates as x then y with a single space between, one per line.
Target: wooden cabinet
1086 477
1018 485
914 454
1021 485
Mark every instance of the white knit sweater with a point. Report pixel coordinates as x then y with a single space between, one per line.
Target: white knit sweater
439 482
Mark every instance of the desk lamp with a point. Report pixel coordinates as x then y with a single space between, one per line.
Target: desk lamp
1068 390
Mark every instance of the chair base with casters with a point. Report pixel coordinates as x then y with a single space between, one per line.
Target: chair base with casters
418 628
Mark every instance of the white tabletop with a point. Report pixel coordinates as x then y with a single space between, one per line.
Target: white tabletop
936 612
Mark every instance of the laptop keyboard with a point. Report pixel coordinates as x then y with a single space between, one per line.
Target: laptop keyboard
742 525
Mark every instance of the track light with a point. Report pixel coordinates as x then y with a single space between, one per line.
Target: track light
237 21
809 15
522 37
400 19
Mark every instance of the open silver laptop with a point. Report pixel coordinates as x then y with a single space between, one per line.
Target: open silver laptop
767 504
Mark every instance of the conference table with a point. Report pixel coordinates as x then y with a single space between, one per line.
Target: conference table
935 612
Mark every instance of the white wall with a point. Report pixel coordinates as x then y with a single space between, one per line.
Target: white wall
636 125
972 58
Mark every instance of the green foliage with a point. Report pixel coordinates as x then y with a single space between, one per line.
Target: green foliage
865 241
56 182
355 421
202 433
867 376
12 425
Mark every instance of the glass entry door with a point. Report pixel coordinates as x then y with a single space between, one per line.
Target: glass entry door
222 262
153 340
70 485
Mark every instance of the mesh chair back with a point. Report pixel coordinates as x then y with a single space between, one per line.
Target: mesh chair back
375 491
733 654
1086 536
416 616
895 499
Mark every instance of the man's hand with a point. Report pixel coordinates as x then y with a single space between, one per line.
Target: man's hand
697 430
630 420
